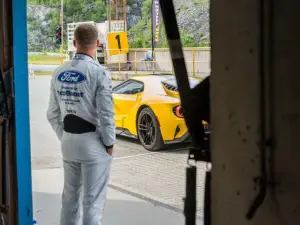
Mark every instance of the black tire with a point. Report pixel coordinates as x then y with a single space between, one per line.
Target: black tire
149 131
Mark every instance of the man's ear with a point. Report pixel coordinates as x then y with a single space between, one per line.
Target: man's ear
74 43
98 43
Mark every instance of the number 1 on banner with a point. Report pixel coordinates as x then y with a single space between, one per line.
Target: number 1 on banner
117 43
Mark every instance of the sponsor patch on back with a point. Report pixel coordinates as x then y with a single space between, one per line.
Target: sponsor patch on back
71 77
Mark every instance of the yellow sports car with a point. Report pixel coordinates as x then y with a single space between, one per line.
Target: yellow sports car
148 108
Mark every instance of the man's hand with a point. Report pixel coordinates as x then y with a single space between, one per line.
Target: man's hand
110 151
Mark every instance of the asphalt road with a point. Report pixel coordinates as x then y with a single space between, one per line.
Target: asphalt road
158 177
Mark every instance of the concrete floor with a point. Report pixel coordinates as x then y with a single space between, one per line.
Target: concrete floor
121 209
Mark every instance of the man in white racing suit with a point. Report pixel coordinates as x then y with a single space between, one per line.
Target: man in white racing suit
81 113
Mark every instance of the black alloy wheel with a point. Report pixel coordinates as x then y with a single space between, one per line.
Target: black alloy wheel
149 131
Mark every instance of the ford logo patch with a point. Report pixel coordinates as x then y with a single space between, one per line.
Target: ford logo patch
71 77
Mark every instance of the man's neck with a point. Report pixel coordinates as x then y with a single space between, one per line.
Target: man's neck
88 53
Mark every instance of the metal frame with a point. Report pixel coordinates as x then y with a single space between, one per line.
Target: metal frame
192 115
22 126
61 18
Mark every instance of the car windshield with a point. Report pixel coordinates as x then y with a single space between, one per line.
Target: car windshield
172 81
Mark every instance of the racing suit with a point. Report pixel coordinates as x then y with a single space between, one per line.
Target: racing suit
81 113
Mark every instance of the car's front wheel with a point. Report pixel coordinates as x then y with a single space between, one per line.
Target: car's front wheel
148 130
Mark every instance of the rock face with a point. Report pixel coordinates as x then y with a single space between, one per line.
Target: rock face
192 16
134 12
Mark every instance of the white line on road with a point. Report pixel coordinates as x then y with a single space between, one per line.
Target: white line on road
132 156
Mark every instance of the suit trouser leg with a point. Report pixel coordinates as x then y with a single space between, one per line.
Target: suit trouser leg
70 213
95 180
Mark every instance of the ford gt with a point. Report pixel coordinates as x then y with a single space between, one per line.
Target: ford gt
148 108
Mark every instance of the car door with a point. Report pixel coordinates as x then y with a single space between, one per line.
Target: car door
125 99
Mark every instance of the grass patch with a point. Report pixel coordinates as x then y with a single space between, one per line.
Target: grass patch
41 73
44 60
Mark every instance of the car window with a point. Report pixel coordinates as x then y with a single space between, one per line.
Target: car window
120 86
193 82
129 87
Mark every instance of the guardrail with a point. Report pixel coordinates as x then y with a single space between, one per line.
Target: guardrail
197 60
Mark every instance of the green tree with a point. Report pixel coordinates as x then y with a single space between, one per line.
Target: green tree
74 11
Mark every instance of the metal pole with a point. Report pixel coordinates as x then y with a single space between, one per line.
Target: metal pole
62 31
109 16
177 56
153 62
105 56
117 11
191 195
125 15
135 68
193 62
119 62
125 20
152 34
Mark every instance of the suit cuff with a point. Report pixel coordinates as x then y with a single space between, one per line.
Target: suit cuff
108 147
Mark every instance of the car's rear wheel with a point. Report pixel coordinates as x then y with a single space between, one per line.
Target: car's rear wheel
148 130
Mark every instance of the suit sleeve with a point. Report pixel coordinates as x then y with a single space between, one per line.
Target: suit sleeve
53 112
105 108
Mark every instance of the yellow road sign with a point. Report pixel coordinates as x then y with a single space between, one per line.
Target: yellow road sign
117 43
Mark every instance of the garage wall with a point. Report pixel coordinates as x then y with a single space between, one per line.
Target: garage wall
255 92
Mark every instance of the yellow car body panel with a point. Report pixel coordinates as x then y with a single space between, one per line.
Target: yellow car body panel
161 100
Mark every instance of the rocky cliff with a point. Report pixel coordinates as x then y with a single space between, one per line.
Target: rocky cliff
134 12
192 18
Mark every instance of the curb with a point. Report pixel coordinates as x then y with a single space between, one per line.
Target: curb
143 196
148 198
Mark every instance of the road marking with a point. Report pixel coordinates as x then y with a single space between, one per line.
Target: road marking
150 153
132 156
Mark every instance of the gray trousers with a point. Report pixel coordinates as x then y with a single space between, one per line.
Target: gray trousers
93 178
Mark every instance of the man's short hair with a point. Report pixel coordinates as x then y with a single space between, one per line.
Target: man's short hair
86 35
